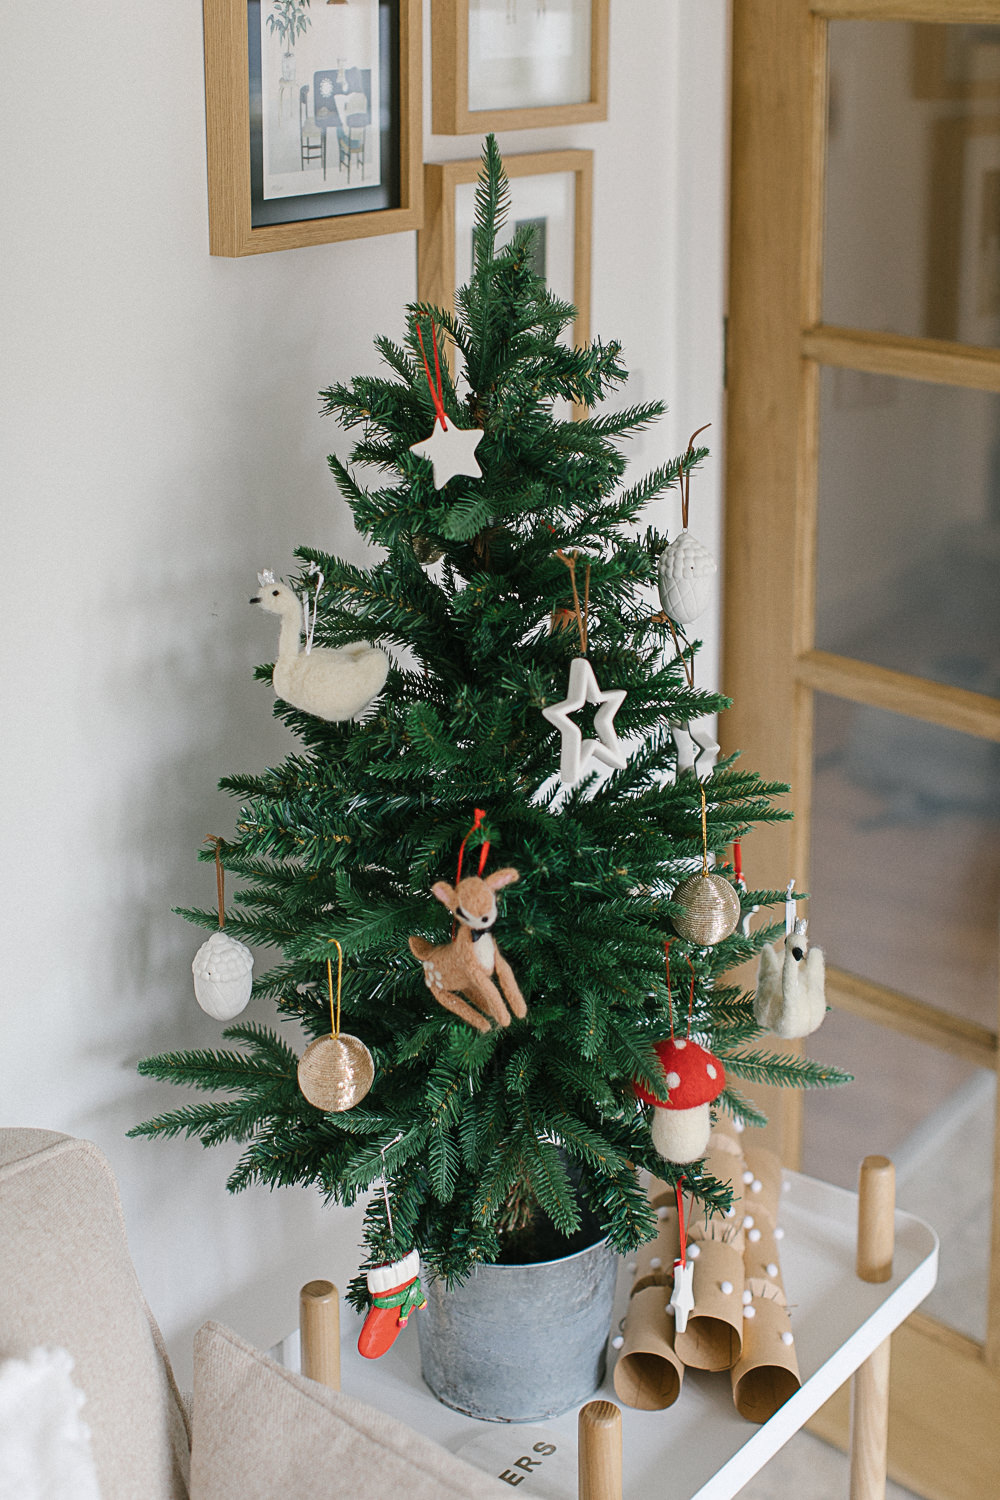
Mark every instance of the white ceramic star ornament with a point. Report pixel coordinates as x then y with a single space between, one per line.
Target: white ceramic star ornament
451 449
701 760
578 755
682 1296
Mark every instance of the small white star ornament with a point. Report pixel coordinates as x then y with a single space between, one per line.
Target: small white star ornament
702 760
577 755
682 1296
451 451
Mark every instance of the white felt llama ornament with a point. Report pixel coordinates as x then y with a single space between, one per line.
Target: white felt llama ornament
331 682
791 985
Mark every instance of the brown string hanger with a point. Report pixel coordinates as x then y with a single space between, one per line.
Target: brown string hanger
582 615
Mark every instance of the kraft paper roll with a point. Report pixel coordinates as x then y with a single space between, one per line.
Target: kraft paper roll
713 1338
762 1257
727 1165
765 1170
648 1374
654 1261
767 1374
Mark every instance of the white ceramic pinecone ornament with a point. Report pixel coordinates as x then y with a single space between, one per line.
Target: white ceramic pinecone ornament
685 569
223 976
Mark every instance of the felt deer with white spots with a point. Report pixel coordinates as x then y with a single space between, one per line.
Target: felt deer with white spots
467 964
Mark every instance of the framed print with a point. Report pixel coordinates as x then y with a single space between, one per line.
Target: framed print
963 276
552 190
314 121
518 64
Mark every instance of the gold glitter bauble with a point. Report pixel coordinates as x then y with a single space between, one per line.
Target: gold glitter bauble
336 1072
711 909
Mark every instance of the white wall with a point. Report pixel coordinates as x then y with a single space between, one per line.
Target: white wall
162 443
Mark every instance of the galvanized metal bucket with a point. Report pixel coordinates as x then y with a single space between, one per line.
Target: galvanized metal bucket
516 1343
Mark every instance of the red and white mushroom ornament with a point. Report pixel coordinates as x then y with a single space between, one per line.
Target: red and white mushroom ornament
682 1122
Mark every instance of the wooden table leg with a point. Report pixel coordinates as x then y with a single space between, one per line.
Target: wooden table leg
600 1451
319 1331
870 1383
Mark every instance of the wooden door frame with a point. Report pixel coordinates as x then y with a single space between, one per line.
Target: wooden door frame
776 348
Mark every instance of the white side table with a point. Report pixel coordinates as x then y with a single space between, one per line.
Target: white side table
700 1449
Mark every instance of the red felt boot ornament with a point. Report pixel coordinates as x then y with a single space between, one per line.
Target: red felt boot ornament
395 1291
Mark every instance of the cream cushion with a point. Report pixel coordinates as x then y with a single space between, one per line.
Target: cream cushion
66 1280
262 1432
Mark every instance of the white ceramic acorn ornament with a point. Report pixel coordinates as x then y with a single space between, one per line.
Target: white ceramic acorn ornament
331 682
223 966
685 567
577 755
451 449
791 981
684 571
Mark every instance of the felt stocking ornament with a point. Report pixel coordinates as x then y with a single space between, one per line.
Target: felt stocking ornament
395 1291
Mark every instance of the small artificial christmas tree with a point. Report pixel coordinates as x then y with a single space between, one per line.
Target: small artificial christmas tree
486 1135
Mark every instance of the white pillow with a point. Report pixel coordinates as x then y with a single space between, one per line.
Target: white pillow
44 1443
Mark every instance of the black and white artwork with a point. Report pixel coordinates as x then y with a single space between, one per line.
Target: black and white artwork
325 127
320 96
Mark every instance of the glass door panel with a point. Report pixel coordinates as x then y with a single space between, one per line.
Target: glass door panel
905 863
933 1114
908 527
913 180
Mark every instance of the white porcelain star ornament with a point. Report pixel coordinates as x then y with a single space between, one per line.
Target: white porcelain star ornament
578 755
451 451
682 1296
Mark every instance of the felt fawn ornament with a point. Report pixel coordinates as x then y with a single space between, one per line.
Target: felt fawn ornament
395 1291
332 683
223 966
577 755
335 1072
466 965
685 567
791 981
450 449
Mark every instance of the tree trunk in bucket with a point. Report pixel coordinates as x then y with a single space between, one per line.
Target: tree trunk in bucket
517 1343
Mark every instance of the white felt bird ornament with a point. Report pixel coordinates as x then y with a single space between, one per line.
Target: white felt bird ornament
791 986
331 682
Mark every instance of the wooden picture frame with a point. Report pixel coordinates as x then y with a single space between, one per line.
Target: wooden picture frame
452 115
235 134
437 271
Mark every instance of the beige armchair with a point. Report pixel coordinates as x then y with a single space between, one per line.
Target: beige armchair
257 1430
